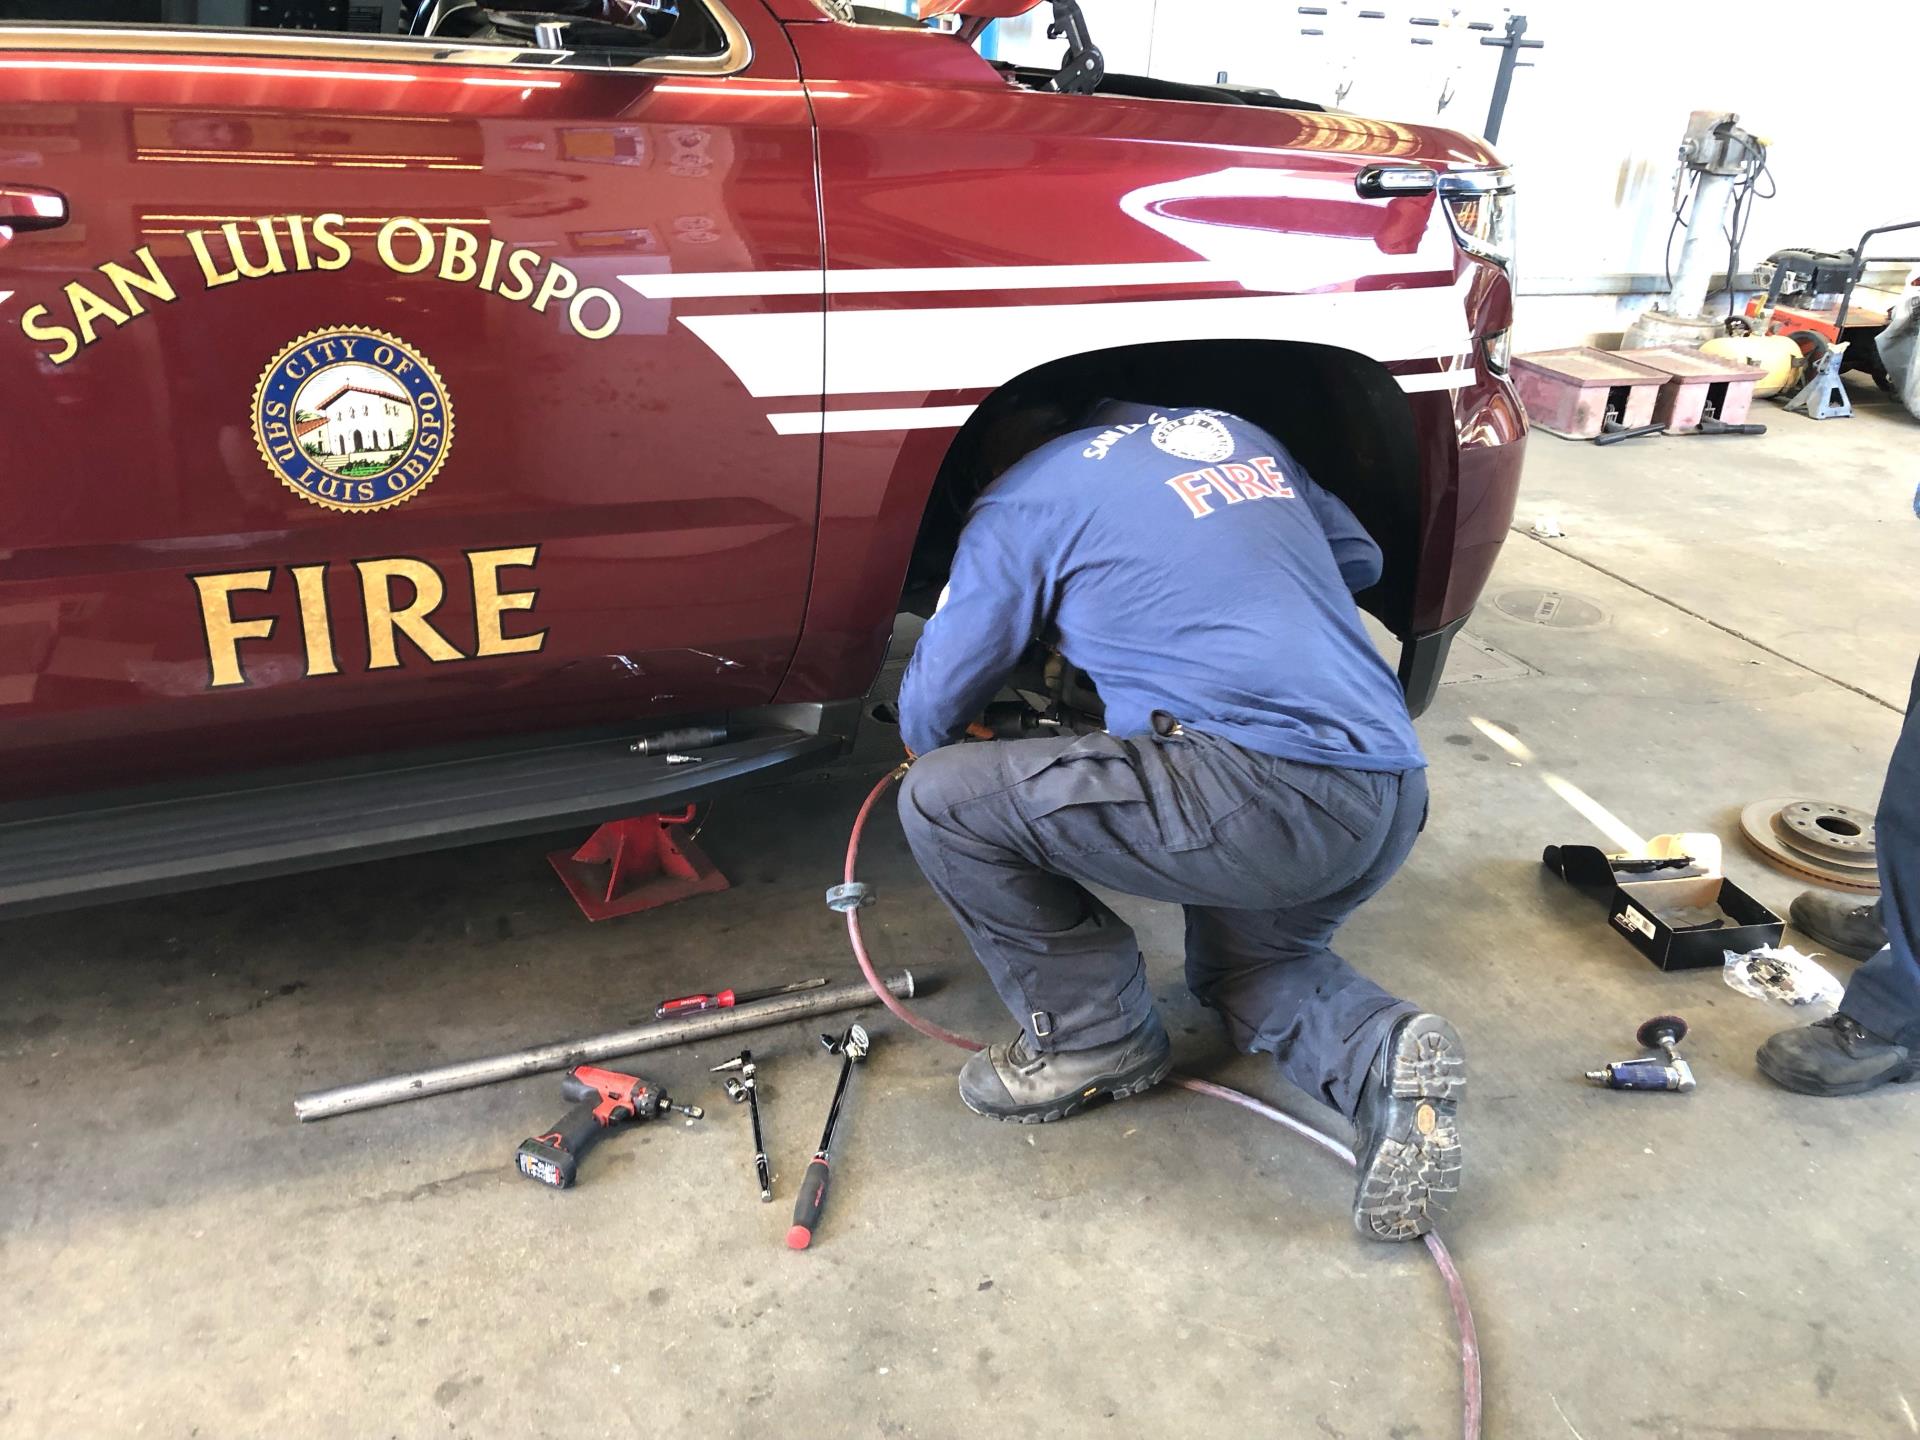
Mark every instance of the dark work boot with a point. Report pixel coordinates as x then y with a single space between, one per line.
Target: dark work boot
1839 923
1008 1082
1835 1056
1407 1139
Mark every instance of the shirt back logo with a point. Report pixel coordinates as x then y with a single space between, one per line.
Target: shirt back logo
1196 437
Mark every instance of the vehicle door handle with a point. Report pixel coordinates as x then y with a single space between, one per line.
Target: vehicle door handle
31 207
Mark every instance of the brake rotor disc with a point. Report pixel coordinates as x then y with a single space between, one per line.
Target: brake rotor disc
1807 859
1838 834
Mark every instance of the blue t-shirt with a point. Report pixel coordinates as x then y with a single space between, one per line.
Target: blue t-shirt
1188 564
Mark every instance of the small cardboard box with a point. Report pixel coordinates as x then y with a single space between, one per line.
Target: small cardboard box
1667 909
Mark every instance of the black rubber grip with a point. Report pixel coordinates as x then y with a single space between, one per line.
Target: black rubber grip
807 1207
573 1088
578 1128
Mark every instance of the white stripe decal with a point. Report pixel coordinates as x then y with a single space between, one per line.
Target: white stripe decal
1452 351
5 296
879 352
848 422
726 284
1439 380
1027 277
737 284
1276 256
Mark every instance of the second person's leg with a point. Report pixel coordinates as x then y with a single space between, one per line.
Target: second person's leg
1874 1037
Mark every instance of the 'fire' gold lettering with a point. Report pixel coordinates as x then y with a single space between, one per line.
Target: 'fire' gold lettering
490 604
224 632
387 618
385 622
310 582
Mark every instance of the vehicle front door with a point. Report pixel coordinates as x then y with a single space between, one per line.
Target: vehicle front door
334 420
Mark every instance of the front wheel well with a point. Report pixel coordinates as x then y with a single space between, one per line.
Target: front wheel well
1342 416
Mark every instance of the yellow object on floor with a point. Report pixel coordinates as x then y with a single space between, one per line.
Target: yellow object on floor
1776 354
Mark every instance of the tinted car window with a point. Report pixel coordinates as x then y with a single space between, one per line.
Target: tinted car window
650 27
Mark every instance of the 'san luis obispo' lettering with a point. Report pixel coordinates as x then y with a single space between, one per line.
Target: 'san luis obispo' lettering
117 293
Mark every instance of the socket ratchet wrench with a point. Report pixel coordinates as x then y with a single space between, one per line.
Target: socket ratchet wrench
851 1047
743 1062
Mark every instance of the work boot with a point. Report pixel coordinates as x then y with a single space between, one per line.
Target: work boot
1852 929
1407 1138
1010 1082
1835 1056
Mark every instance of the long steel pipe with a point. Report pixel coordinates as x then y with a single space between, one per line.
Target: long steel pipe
563 1054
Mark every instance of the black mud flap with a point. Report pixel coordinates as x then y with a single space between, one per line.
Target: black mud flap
1422 659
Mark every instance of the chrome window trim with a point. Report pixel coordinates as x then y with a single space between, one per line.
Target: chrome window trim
212 40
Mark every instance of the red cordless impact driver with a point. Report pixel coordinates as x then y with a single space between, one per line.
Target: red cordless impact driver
604 1099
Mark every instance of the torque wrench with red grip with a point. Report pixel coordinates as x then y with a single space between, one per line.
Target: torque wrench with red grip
852 1048
727 999
605 1098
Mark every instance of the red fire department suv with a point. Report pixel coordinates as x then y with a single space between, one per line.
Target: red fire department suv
395 424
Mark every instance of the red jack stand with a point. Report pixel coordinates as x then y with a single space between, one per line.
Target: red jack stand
647 867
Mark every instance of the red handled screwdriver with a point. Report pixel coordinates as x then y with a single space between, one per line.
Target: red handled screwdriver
727 999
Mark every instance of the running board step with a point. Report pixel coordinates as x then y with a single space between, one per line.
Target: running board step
129 846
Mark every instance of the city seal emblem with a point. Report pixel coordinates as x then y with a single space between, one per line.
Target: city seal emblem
1198 436
352 419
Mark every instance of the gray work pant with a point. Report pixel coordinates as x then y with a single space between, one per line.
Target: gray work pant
1884 994
1269 857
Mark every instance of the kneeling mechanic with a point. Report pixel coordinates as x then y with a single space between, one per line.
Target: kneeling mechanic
1259 768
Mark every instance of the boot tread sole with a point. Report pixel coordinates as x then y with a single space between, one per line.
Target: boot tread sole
1412 1173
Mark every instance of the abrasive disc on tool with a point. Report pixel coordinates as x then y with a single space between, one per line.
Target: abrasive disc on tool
1769 834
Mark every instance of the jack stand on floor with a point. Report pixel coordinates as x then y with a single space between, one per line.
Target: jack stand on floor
647 866
1824 396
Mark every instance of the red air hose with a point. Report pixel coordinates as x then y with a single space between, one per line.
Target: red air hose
1456 1289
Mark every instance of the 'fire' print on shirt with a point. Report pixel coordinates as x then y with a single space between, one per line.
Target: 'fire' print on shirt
1260 479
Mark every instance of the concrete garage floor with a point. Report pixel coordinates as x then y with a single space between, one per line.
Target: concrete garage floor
181 1258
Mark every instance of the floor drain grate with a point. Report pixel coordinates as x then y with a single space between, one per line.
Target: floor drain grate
1559 609
1472 661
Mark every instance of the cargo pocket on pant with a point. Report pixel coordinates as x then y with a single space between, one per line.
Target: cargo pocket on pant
1090 799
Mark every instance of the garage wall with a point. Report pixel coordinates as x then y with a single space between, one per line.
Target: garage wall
1593 126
